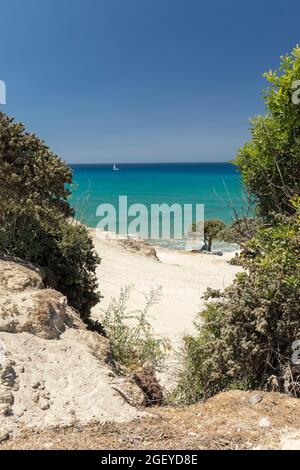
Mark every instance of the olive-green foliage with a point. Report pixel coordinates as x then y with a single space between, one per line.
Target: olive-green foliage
212 229
32 179
132 341
245 334
35 216
240 231
270 161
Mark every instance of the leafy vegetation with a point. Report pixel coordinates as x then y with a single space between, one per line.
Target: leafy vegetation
130 333
241 230
36 217
245 334
270 161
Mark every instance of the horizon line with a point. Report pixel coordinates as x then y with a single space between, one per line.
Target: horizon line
148 163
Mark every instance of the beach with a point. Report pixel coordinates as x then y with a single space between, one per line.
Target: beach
183 276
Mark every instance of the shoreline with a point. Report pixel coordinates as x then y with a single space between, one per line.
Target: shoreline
112 236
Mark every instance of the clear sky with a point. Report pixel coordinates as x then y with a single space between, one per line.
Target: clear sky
141 80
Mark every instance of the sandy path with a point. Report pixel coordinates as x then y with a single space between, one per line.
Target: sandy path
184 277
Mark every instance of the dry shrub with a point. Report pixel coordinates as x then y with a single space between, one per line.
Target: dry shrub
147 381
133 343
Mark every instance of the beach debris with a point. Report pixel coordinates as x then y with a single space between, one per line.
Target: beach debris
206 252
124 396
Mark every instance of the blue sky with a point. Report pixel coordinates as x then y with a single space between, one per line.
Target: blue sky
141 80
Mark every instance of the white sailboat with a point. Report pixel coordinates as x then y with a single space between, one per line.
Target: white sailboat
115 168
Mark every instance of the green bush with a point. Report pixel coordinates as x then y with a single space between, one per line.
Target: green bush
270 161
212 229
35 216
244 335
130 333
241 230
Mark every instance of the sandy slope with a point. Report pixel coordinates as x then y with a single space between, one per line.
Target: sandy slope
53 372
183 276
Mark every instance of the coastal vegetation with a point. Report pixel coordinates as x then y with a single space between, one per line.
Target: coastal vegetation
270 161
213 229
36 216
245 335
132 341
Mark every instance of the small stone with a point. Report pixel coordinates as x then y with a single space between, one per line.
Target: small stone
7 397
264 423
4 436
63 302
44 405
36 384
255 399
35 396
5 409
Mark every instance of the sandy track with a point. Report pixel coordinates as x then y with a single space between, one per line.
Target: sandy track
184 278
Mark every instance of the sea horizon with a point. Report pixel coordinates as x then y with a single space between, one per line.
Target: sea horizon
217 185
74 164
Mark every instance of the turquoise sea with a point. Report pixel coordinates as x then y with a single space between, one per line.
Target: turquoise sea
216 185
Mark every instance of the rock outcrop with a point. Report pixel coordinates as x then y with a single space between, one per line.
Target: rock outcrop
53 372
140 247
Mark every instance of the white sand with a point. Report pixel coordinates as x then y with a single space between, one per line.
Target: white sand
183 276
